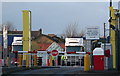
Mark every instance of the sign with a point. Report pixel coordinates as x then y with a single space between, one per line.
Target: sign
54 53
5 37
92 33
54 46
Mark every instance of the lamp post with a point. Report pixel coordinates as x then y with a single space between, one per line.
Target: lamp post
104 39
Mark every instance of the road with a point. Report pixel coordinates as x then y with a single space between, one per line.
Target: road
62 71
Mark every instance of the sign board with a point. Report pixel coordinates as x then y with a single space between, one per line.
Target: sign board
54 53
92 33
5 37
74 42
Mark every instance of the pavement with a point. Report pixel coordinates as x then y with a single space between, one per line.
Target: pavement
60 71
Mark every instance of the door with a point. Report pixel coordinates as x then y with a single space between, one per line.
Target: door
98 62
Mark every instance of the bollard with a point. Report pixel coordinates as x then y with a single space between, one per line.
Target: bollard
86 62
16 59
47 62
27 60
35 60
50 60
20 60
7 61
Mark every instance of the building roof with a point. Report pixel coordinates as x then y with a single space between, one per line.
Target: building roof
43 47
54 39
62 45
33 33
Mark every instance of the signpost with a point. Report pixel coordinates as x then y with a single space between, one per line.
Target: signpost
5 44
55 54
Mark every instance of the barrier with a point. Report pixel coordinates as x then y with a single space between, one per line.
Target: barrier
44 58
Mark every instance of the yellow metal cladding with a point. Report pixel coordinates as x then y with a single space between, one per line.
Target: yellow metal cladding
25 31
112 36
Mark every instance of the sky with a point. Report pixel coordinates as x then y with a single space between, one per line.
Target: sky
54 17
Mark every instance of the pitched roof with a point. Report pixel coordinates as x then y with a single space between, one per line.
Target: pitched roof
43 47
62 45
54 39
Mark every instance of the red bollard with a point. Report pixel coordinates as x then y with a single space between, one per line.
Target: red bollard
16 59
47 62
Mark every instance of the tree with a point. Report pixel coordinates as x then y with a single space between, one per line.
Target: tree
10 26
72 31
82 33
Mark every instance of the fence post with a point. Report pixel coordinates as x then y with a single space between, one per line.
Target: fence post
86 62
20 60
35 60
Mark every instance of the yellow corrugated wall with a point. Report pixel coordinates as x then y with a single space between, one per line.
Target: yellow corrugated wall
112 36
25 31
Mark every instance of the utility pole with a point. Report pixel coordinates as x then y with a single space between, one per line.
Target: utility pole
104 39
2 41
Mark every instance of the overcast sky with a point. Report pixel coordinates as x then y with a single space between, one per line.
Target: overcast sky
53 17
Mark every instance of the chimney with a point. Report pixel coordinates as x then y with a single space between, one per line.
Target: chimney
40 31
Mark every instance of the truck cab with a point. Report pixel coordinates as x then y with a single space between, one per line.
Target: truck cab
73 45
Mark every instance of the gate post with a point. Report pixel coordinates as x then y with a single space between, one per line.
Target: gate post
86 62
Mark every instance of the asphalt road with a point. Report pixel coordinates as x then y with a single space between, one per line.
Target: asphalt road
62 71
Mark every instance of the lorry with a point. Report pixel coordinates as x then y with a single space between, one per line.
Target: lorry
74 48
17 45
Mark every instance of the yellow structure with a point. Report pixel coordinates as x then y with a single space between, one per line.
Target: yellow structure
86 62
112 34
25 31
20 60
35 60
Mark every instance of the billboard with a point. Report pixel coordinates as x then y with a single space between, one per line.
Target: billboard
92 33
